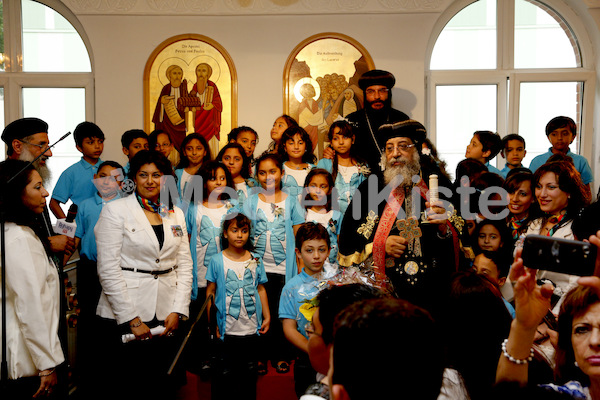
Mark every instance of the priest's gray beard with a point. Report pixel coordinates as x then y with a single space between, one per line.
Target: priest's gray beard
402 173
43 170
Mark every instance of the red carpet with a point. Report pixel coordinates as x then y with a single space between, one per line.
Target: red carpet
272 386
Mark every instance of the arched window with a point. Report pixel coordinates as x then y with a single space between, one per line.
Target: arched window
46 72
507 66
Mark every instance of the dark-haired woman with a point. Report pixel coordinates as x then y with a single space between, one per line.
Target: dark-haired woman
521 202
32 283
561 195
145 270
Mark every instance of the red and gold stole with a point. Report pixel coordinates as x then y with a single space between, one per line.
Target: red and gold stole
387 220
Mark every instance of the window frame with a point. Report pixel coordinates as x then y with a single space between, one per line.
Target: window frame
508 94
14 79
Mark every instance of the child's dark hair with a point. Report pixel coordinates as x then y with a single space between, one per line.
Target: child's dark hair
501 259
245 173
587 221
132 134
506 239
87 130
561 122
469 167
333 299
311 231
109 163
560 157
288 134
489 141
153 138
487 180
232 136
273 146
184 162
509 137
208 172
241 221
272 157
345 129
290 121
312 173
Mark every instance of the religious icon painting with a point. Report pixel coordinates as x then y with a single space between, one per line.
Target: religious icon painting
190 85
320 81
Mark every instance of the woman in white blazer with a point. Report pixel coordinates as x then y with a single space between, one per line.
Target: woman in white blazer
145 269
32 287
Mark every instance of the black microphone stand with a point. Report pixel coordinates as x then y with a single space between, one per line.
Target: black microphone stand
4 365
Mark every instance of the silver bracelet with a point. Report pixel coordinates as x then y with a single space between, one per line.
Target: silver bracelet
48 374
136 325
514 360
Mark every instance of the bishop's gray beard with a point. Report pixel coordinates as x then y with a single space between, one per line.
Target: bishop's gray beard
43 170
403 173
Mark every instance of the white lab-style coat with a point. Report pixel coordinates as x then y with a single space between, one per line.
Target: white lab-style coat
125 238
32 304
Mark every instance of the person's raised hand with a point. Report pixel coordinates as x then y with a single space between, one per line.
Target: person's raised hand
532 301
329 153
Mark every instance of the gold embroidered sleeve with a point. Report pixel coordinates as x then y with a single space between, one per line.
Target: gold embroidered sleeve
366 229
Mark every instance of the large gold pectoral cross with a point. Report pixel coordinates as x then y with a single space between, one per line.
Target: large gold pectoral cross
409 230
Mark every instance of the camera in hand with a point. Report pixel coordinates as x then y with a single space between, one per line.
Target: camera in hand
559 255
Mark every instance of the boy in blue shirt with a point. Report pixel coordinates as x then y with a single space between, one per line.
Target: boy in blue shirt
513 151
133 141
75 183
312 248
561 132
495 266
484 146
108 181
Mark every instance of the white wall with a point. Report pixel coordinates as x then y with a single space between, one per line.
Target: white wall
259 44
259 47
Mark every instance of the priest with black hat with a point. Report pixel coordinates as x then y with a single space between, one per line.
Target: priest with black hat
390 227
26 139
377 91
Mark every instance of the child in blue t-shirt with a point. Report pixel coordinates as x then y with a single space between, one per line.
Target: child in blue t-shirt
236 278
347 169
295 308
513 150
237 162
276 216
75 183
247 138
295 150
483 147
318 205
108 182
561 131
133 141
